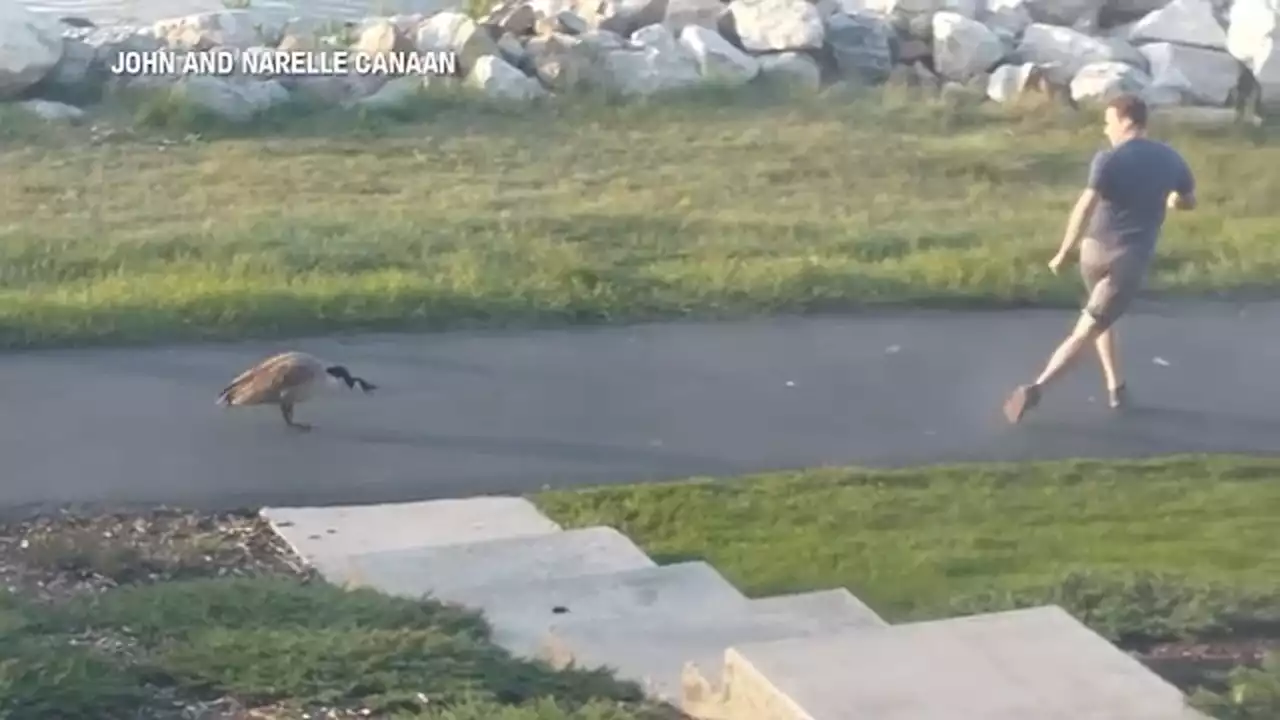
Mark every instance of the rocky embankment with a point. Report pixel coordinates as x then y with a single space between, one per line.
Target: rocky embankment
1186 53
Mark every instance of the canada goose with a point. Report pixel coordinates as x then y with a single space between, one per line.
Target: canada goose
287 379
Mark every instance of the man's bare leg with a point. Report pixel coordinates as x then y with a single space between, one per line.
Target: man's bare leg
1106 347
1026 397
1069 351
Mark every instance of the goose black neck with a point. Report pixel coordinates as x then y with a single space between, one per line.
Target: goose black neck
341 373
352 381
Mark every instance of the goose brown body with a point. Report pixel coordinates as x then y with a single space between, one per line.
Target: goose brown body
288 377
285 380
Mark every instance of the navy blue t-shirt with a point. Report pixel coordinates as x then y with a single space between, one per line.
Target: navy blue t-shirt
1133 180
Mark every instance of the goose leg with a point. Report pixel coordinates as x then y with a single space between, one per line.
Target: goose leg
286 410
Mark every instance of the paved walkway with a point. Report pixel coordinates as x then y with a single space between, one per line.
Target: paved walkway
464 414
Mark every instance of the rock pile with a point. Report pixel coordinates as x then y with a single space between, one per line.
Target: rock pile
1209 53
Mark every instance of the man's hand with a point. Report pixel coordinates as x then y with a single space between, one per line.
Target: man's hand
1056 263
1178 201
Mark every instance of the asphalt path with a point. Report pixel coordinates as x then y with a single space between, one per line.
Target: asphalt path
462 414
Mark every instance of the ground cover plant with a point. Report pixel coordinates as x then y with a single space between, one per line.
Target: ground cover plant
172 614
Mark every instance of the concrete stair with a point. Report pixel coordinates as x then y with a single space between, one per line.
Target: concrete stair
325 536
1034 663
657 646
441 571
825 610
591 597
527 616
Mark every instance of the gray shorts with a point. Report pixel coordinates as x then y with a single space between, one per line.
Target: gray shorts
1112 286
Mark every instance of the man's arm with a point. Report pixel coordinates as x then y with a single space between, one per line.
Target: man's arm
1079 216
1085 204
1183 196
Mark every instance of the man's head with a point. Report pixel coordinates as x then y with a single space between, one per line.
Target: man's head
1125 117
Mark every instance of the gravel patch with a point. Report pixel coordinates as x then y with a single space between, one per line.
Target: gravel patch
57 555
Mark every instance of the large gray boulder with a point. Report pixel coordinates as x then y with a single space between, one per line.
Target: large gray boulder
1099 82
655 62
234 99
202 31
498 79
717 58
791 69
1200 76
777 25
1187 22
963 48
860 46
30 47
1071 50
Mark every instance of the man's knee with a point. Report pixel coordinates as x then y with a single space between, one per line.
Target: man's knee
1103 310
1091 325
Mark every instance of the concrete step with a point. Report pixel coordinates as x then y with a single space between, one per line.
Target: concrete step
327 535
445 570
836 609
524 614
659 649
818 612
1037 663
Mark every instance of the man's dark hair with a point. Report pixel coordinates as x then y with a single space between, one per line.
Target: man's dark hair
1131 108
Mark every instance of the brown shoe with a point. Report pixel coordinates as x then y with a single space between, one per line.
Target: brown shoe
1118 397
1020 401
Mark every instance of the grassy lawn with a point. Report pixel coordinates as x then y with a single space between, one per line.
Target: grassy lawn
459 214
918 543
1145 552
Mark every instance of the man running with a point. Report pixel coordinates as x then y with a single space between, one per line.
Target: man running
1130 187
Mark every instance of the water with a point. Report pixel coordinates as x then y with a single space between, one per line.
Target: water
145 12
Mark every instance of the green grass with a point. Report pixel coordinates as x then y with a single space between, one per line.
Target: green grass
1144 552
1140 550
279 643
455 213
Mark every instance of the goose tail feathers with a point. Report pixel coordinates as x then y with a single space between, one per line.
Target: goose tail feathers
227 397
